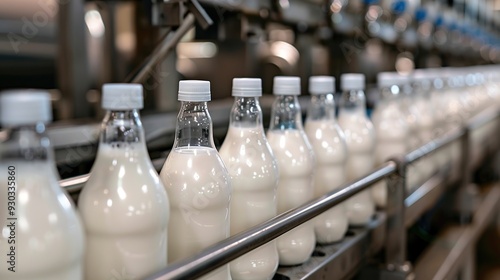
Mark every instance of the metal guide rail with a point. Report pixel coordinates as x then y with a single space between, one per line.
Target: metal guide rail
387 231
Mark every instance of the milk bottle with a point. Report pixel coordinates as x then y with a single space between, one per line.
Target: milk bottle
360 139
124 205
391 129
196 180
42 236
441 157
413 115
421 85
296 164
328 142
254 178
455 116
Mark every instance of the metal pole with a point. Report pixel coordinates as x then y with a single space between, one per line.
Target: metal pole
161 51
465 195
237 245
395 244
72 63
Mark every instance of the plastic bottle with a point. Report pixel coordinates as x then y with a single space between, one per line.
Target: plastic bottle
441 157
421 84
196 180
328 142
360 138
296 163
43 237
455 116
124 205
254 178
391 128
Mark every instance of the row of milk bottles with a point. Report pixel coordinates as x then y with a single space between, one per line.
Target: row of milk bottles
415 109
132 221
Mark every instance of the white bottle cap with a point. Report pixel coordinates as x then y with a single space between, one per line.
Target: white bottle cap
247 87
122 96
321 84
194 91
387 79
352 81
25 107
286 85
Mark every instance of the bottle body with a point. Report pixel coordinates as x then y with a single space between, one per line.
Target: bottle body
360 140
328 143
296 165
424 127
438 100
296 162
254 180
42 212
125 214
124 205
392 139
198 186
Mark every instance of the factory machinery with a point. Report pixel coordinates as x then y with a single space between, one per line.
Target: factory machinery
85 44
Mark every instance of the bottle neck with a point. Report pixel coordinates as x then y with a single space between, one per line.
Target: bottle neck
286 113
194 126
246 112
322 107
353 101
26 143
122 127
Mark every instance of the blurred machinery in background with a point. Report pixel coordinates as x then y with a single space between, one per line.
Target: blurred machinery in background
73 47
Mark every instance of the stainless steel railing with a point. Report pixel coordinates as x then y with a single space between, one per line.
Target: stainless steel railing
239 244
394 171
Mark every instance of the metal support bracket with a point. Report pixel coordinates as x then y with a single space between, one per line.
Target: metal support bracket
396 265
467 192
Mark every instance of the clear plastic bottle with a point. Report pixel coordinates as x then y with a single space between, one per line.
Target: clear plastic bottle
328 142
43 237
438 102
360 138
455 116
254 178
391 128
296 163
421 85
124 205
197 181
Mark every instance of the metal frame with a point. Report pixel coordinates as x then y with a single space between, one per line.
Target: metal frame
401 212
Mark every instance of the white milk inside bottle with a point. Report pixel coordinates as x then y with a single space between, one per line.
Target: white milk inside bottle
413 115
425 122
328 142
254 178
455 117
124 205
360 139
296 166
438 101
390 126
42 236
196 180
